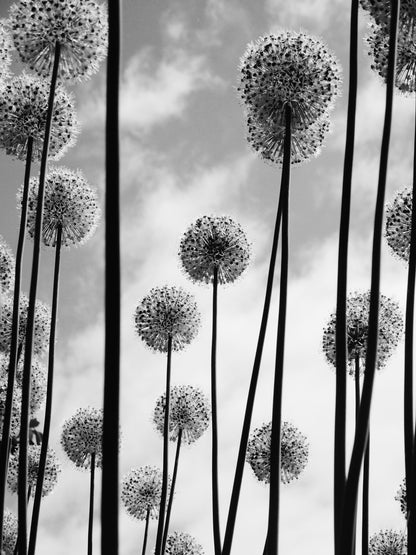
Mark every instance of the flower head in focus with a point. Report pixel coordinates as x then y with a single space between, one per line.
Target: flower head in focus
179 543
141 490
399 223
79 26
9 532
52 470
6 47
82 435
7 264
167 313
380 11
388 542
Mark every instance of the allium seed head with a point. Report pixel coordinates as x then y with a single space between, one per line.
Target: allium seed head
52 470
214 242
5 50
390 331
388 542
401 497
80 27
7 264
189 411
294 452
23 109
9 532
141 490
179 543
17 401
288 69
69 203
167 312
399 223
380 11
82 435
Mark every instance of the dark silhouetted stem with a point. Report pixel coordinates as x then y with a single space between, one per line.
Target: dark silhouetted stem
91 510
357 387
361 434
366 488
172 491
146 531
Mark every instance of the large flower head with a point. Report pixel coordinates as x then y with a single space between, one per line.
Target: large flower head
167 313
69 203
52 470
180 543
9 532
390 331
82 435
6 47
399 223
388 542
294 452
214 242
189 412
23 109
288 69
79 26
141 490
7 264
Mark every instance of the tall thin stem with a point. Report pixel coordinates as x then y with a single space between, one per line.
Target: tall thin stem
146 531
91 509
366 501
357 387
361 434
24 421
172 491
49 392
15 347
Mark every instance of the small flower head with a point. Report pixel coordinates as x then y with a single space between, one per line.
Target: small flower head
401 497
399 223
141 491
7 264
167 313
69 203
17 401
388 542
9 532
41 327
52 470
294 452
189 411
23 109
79 26
82 435
179 543
6 47
214 242
288 69
390 331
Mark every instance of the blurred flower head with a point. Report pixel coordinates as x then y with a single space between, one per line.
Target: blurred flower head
17 401
80 27
52 470
141 490
401 497
294 452
399 223
9 532
69 203
167 312
6 47
388 542
214 242
7 264
23 109
390 331
82 435
189 411
179 543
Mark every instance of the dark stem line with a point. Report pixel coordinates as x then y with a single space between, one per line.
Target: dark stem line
160 524
357 387
91 509
24 420
146 531
275 454
15 347
361 435
49 393
172 491
366 501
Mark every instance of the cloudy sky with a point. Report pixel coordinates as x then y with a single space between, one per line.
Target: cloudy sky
184 154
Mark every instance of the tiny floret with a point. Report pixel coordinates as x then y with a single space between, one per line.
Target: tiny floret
82 435
141 490
179 543
388 542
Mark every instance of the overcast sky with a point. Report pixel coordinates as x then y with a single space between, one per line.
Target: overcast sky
184 155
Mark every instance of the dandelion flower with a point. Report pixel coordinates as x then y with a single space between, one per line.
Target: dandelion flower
141 490
167 312
401 497
7 264
82 436
179 543
5 50
388 542
79 26
399 223
52 470
23 110
9 532
294 452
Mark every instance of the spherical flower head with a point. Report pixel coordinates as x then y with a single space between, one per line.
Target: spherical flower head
189 411
388 542
268 140
401 497
288 69
52 470
9 532
79 26
69 203
23 109
167 313
7 264
6 47
179 543
41 326
17 401
390 331
294 452
141 490
82 435
380 11
214 242
399 223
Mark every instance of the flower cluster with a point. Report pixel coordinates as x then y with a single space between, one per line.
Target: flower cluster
167 313
17 401
9 532
399 223
5 51
380 11
294 452
189 412
388 542
141 490
401 497
69 203
79 26
179 543
82 435
7 264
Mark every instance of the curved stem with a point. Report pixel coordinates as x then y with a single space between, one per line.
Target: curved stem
91 510
361 434
15 347
146 530
172 491
49 392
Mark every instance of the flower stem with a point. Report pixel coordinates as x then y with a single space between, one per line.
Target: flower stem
366 487
361 433
160 524
172 491
357 388
49 391
146 530
15 347
275 455
91 510
24 421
